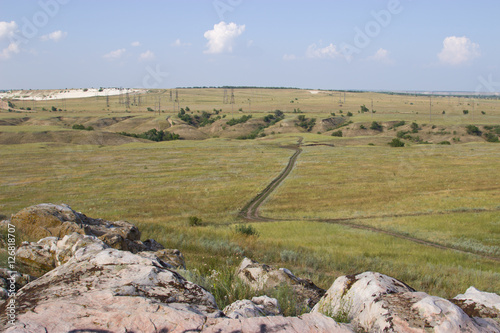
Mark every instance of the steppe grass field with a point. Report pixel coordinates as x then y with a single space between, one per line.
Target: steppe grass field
427 214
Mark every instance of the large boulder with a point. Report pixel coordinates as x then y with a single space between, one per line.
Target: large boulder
260 277
479 304
111 290
374 302
50 220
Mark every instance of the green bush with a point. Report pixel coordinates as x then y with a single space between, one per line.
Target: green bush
349 114
396 143
194 221
241 120
376 126
473 130
337 133
154 135
444 143
414 127
246 230
83 128
491 137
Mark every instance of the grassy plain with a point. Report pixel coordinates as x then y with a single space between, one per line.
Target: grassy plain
159 185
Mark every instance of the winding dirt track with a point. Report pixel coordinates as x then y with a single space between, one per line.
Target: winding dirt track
251 212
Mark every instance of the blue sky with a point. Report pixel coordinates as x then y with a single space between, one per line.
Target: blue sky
441 45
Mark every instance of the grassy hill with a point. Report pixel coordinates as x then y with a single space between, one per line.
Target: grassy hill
426 213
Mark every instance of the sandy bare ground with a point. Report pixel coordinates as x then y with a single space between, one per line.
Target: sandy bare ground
46 95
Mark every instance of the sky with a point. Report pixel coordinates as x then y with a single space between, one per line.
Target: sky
399 45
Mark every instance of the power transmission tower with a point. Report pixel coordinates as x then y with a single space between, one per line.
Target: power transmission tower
107 100
372 107
127 100
170 96
177 99
159 105
232 102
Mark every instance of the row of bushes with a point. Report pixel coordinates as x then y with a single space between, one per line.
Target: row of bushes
81 127
154 135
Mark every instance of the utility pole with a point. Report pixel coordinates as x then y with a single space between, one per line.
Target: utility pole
372 107
159 105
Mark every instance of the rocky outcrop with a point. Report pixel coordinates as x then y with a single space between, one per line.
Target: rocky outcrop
50 220
50 252
374 302
257 307
117 291
479 304
106 280
112 289
259 277
56 222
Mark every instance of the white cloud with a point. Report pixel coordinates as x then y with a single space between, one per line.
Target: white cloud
13 48
221 38
114 54
55 36
458 50
7 29
289 57
382 55
135 44
148 55
7 32
329 51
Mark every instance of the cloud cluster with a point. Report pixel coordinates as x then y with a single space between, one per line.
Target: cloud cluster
7 32
148 55
221 38
329 52
382 55
113 55
54 36
458 50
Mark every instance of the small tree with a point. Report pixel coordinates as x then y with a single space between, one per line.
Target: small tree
364 108
396 143
337 133
473 130
376 126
